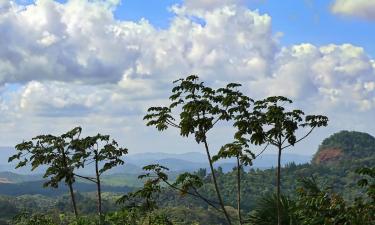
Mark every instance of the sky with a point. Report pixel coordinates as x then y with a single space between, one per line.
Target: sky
100 64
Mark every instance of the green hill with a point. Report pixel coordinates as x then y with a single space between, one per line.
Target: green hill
345 145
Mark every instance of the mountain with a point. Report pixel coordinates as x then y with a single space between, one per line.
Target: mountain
177 162
192 161
10 177
344 146
148 157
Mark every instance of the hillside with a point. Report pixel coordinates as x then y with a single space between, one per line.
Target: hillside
36 188
338 175
345 145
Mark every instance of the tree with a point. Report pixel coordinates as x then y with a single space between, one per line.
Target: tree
315 205
237 105
55 152
243 157
271 124
145 198
99 149
268 203
201 108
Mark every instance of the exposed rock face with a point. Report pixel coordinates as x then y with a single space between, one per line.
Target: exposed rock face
328 155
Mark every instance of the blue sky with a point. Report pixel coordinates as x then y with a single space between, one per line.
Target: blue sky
313 22
96 64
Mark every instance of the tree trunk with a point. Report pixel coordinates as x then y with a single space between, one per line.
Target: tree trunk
239 189
70 184
73 199
215 183
278 186
99 192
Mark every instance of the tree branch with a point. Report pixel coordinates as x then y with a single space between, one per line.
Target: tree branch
308 133
86 178
272 142
172 124
196 194
264 149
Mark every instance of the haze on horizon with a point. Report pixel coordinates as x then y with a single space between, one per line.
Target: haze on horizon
101 64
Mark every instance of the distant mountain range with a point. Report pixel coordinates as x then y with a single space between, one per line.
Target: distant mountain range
189 161
335 150
194 160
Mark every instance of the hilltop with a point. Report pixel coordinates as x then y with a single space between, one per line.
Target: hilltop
344 146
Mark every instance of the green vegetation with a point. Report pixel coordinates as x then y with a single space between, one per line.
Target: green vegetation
337 188
344 146
55 153
202 107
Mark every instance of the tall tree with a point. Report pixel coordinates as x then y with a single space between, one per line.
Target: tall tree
244 157
272 124
200 109
55 152
104 153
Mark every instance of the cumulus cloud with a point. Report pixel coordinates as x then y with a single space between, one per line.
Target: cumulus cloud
67 42
74 63
332 74
364 9
81 41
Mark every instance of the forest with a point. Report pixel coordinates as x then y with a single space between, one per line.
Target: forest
336 188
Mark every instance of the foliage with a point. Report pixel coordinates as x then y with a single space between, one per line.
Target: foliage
188 210
144 198
271 123
315 206
98 149
200 109
369 173
65 153
55 152
34 219
265 212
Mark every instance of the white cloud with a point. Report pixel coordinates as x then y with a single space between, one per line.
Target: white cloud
335 75
75 64
53 41
364 9
81 41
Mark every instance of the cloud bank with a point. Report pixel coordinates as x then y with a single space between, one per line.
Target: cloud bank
364 9
71 64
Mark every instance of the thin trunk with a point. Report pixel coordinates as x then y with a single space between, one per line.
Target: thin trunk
239 189
148 211
215 184
278 186
70 184
99 193
73 199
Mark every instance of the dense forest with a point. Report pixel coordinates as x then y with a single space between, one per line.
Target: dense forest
337 187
